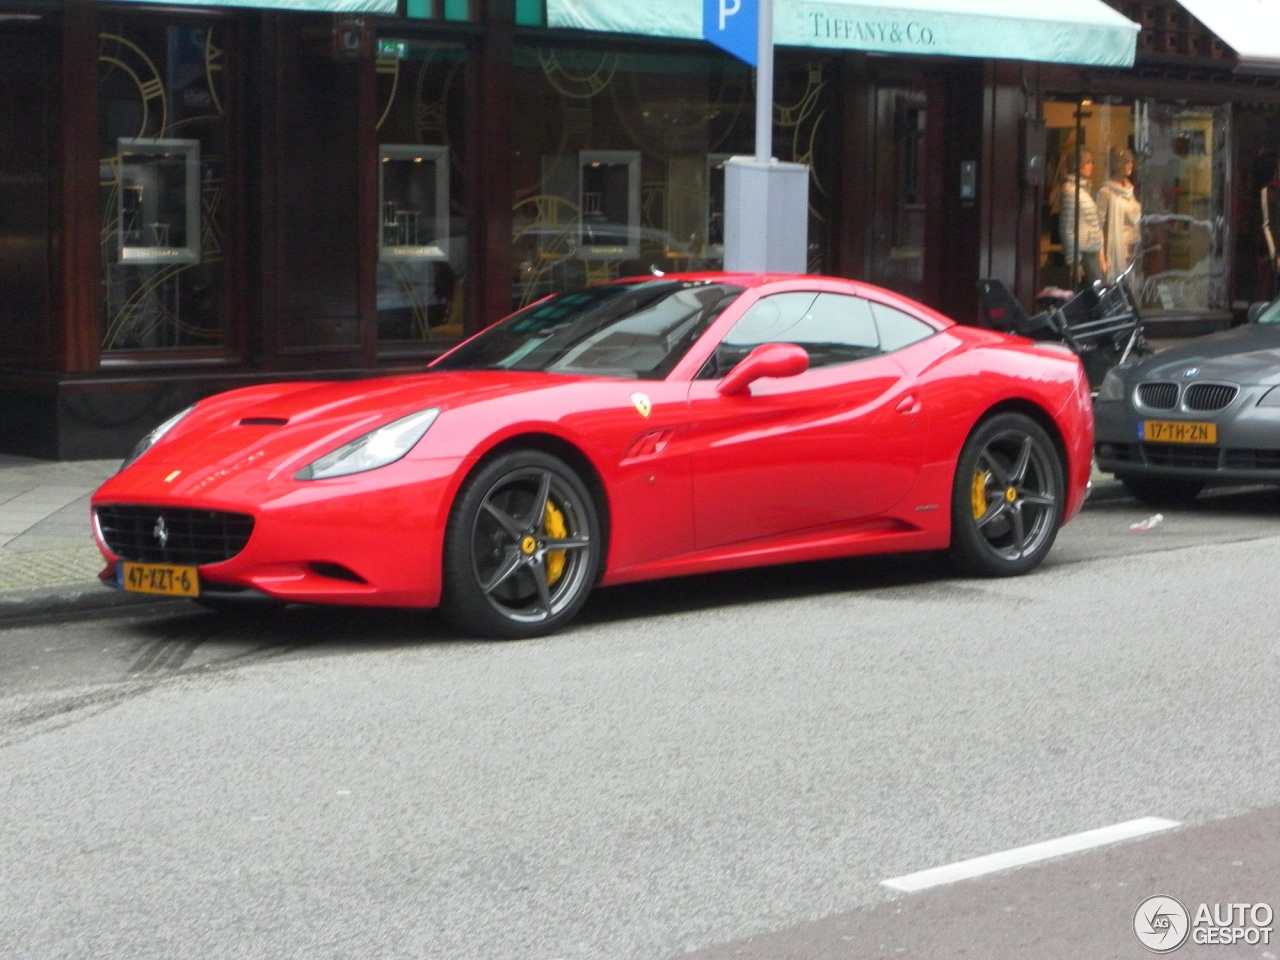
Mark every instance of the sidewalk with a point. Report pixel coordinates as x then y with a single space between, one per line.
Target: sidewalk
48 562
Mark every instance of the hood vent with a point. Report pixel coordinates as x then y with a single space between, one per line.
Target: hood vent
264 421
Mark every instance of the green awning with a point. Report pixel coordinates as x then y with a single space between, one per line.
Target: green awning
1063 31
387 7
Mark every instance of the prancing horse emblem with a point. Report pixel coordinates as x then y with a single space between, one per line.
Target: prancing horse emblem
642 404
161 533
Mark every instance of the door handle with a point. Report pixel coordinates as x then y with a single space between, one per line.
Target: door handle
908 404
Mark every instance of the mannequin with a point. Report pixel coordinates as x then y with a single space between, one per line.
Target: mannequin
1079 226
1120 215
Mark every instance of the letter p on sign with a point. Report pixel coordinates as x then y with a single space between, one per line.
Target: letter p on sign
733 26
727 9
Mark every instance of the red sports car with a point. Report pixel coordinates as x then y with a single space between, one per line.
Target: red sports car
638 429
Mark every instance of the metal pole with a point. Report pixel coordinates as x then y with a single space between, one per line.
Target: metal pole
764 83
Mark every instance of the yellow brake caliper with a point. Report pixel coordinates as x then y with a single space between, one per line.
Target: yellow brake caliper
553 526
978 494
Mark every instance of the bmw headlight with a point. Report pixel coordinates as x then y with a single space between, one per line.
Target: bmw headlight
152 438
1271 398
377 448
1112 386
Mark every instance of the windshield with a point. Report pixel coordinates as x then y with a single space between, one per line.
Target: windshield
627 330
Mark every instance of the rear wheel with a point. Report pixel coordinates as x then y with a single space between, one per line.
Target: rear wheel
522 548
1161 492
1006 505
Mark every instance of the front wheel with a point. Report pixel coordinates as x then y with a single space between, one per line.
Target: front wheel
522 548
1007 502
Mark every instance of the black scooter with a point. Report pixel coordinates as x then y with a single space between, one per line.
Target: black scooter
1101 324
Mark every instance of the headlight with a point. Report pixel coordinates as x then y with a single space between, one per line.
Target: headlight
1271 398
150 440
377 448
1112 386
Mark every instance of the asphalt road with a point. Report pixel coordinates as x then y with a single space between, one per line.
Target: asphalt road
696 763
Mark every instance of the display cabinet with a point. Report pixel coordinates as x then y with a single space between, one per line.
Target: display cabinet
608 204
159 184
413 197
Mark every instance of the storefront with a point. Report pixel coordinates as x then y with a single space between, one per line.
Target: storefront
1198 121
203 195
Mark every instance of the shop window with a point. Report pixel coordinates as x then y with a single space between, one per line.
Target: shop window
1144 184
630 146
422 239
162 174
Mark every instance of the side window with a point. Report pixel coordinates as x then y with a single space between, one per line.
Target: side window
832 327
897 329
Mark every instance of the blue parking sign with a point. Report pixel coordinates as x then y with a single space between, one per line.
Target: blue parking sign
733 26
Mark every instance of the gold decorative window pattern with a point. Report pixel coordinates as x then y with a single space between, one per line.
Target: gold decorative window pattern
161 177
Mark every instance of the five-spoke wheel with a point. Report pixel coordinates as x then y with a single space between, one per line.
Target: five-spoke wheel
522 548
1007 503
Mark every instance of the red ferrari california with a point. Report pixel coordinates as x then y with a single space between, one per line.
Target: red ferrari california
639 429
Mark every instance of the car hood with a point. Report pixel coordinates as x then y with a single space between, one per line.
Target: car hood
285 426
1247 354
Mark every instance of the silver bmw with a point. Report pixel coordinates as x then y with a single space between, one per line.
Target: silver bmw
1199 413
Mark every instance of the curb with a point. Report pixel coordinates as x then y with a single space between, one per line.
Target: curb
67 600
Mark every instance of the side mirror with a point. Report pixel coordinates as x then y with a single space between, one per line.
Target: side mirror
766 360
1256 310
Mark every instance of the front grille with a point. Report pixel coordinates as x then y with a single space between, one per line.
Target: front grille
1158 396
1251 459
1180 455
1209 396
190 537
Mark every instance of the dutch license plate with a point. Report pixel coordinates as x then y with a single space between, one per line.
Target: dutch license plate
1178 431
163 579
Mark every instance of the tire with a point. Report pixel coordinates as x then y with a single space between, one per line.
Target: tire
1007 500
1162 493
522 548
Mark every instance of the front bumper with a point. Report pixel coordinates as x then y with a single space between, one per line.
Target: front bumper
1247 448
372 539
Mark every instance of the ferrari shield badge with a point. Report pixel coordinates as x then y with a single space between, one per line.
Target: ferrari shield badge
642 403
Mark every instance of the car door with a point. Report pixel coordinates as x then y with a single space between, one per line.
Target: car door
838 443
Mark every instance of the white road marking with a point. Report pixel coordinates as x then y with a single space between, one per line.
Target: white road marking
1019 856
